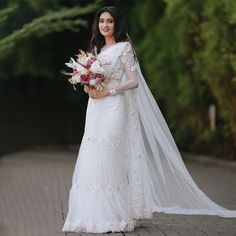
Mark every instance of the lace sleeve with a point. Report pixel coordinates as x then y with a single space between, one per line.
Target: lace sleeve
128 61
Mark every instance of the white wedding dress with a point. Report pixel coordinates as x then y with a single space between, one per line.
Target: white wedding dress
128 165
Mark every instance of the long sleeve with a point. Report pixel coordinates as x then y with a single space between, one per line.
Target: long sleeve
128 62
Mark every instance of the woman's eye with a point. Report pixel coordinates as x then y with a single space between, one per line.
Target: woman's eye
108 21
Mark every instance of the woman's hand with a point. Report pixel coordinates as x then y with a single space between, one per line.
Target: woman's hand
94 94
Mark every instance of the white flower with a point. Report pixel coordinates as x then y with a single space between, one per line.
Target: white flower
71 63
76 66
92 82
81 69
82 57
83 60
97 68
72 81
76 78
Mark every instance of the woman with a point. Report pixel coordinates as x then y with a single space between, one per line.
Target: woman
128 165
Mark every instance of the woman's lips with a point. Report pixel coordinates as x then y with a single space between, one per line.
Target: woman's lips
105 31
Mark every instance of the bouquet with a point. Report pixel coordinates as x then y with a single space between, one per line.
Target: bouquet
87 71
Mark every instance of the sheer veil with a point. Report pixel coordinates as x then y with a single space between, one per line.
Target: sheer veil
171 188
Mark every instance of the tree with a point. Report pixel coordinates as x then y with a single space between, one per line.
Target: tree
188 54
38 24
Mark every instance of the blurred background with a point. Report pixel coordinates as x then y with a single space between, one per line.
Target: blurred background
187 51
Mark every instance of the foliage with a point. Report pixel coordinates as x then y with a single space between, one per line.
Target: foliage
187 51
47 26
218 56
210 135
189 59
53 21
4 13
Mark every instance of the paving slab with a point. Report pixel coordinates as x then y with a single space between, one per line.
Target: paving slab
34 191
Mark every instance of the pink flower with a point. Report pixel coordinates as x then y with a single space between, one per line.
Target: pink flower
84 78
90 62
99 78
87 70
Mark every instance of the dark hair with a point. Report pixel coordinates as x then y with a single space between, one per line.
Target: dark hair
120 32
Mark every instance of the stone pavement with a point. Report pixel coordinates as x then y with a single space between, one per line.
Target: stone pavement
34 189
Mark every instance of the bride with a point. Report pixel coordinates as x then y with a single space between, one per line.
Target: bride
128 164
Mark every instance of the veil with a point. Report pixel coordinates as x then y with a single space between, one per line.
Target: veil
171 188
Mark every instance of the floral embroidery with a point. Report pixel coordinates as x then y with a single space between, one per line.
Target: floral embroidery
113 226
125 61
127 58
111 141
107 188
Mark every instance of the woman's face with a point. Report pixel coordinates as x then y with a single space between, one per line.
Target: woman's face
106 24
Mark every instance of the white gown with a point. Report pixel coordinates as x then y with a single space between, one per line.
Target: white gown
120 175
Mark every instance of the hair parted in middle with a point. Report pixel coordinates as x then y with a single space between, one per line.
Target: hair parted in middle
120 32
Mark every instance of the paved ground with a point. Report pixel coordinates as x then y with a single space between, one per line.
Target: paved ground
34 188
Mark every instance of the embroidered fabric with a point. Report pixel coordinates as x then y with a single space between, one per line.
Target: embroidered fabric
111 141
127 65
127 138
100 227
108 188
